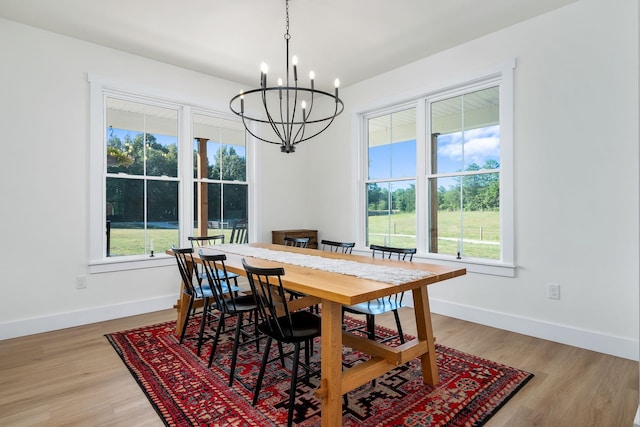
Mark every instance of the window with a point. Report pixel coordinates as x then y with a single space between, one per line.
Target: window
391 183
161 171
438 174
220 174
141 178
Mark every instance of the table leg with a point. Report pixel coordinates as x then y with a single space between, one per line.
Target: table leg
331 359
181 308
425 332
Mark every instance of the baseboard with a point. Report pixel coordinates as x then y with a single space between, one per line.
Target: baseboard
590 340
54 322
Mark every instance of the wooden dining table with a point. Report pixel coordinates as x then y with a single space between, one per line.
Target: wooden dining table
332 291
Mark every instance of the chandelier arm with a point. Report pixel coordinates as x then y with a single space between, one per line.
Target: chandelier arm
301 128
256 136
324 128
269 118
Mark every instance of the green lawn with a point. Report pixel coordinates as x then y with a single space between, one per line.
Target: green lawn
481 234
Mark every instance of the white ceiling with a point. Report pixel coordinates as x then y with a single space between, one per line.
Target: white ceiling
350 39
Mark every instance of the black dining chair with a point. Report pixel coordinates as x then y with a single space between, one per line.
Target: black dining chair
230 306
231 279
386 304
298 242
340 247
278 323
239 232
195 289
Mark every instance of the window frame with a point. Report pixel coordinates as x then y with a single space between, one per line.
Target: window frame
501 75
101 87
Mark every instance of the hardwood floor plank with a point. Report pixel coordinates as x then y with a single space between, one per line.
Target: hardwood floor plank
73 377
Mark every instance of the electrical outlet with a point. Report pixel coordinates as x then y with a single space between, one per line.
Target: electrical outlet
554 291
81 282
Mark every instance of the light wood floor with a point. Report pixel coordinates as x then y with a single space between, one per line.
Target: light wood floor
74 378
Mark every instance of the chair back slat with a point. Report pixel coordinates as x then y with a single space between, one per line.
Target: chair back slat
333 246
271 298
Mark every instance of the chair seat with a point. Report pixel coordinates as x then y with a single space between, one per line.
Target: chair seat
374 307
241 304
203 291
225 284
306 326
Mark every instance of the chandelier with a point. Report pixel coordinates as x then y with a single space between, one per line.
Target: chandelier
289 109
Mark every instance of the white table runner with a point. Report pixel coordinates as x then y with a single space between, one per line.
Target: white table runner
379 273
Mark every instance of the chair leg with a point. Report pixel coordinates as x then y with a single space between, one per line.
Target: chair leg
281 354
203 321
221 323
236 343
186 320
294 380
397 316
265 358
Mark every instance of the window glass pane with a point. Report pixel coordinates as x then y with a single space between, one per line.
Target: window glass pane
227 203
391 219
220 144
445 215
474 229
162 215
392 145
466 132
481 216
446 128
134 224
141 139
125 216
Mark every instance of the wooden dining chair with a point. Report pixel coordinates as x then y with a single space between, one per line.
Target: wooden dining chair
298 242
386 304
230 306
341 247
278 323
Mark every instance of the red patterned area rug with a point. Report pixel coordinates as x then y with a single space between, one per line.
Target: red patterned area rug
185 392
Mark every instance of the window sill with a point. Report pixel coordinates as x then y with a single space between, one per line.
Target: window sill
130 263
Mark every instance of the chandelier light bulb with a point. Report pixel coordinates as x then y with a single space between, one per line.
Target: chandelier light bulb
312 75
279 81
264 68
336 83
304 105
294 60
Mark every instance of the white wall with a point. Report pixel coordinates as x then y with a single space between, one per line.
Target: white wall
576 177
44 175
576 174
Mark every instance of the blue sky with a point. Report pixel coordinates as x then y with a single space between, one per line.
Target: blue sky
398 160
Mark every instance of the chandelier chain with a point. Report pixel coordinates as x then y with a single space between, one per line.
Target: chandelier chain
287 36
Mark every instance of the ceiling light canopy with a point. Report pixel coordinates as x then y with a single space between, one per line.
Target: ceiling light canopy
293 113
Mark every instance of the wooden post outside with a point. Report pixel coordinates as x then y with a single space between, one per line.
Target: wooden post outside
203 193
